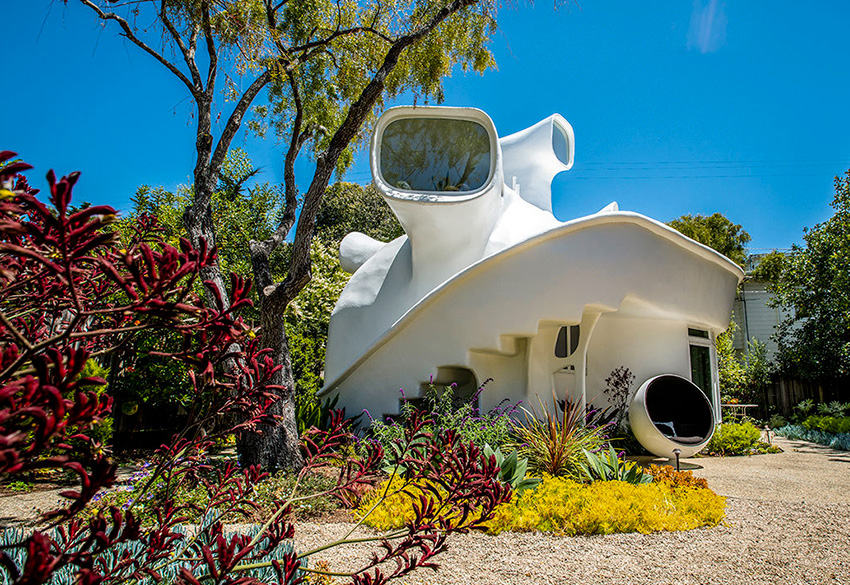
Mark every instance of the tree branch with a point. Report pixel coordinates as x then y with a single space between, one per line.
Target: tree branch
188 55
212 72
128 32
234 122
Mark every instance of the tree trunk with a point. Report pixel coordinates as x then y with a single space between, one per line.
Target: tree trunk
277 446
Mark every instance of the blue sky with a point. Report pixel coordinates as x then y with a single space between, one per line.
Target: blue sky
678 107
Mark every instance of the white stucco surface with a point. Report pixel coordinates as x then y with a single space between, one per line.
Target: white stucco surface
485 281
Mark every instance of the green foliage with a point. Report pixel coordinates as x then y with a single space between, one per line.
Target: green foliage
512 469
310 412
19 486
803 408
554 440
744 382
732 375
606 465
758 369
566 507
308 316
349 207
828 424
331 79
770 267
776 421
717 232
814 340
244 211
102 431
491 429
147 500
737 439
834 408
144 377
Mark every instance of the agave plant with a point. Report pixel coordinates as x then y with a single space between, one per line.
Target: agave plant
512 469
554 439
606 465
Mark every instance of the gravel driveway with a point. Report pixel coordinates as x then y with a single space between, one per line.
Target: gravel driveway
788 523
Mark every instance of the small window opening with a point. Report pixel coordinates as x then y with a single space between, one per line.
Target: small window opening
697 333
567 342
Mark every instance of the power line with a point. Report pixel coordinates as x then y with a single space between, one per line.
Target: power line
795 162
749 176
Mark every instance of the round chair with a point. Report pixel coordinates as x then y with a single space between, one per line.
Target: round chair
670 412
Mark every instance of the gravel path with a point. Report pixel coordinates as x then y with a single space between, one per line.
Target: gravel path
788 523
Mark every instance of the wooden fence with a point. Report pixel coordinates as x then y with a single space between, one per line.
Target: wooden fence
785 393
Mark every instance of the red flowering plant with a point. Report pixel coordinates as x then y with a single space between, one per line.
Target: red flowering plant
71 291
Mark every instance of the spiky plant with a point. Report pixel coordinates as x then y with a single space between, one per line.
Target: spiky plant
554 440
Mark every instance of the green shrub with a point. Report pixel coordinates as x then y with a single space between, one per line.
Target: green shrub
737 439
275 488
102 431
834 408
828 424
776 421
802 410
492 428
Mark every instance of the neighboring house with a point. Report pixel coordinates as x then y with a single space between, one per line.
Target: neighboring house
755 318
487 283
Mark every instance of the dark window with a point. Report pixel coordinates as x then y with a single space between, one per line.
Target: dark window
435 154
701 368
698 333
567 342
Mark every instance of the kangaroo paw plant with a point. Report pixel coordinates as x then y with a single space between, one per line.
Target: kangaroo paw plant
71 291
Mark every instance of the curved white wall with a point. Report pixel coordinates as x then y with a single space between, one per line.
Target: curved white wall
509 296
485 282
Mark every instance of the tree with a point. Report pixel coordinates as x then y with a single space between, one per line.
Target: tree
814 283
717 232
770 267
327 67
349 207
243 212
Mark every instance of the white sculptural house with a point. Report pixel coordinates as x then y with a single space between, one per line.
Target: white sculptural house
487 283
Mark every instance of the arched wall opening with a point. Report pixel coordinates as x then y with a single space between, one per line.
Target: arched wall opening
464 392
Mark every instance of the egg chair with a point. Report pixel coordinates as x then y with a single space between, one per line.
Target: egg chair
670 412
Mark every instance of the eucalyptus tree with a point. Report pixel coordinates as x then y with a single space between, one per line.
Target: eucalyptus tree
327 66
